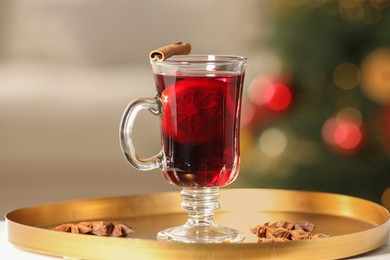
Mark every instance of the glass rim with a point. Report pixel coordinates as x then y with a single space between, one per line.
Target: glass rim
201 58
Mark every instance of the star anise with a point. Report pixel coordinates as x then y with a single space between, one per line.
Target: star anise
284 231
97 228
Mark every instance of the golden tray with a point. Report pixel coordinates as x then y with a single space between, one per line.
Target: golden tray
356 226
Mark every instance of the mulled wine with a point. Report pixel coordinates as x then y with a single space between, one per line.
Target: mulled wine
200 128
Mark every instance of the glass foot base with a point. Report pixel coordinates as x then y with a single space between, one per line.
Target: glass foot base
200 227
201 233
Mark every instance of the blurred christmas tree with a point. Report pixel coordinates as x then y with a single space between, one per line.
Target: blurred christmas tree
322 122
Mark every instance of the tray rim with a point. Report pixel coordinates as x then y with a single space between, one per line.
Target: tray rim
177 193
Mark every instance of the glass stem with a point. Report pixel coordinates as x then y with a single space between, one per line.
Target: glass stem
200 204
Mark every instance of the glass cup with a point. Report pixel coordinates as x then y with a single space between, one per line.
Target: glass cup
198 100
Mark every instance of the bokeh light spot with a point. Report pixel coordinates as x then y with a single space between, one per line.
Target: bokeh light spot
346 75
386 198
375 71
347 135
350 114
342 134
273 142
280 98
256 90
275 95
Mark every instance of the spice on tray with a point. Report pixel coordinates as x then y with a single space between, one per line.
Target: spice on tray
284 231
97 228
164 52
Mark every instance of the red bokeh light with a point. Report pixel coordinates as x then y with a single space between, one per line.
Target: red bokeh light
278 97
273 94
342 134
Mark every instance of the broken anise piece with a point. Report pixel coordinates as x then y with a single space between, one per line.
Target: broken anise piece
305 226
284 231
97 228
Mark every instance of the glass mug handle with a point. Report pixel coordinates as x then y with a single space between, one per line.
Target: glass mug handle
126 134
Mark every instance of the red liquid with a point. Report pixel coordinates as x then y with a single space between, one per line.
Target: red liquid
200 128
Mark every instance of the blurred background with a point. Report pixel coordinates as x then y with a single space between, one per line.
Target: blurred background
316 105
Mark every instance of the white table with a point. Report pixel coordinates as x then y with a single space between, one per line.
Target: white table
10 252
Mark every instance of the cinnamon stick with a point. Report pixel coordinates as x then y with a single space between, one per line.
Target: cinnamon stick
164 52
